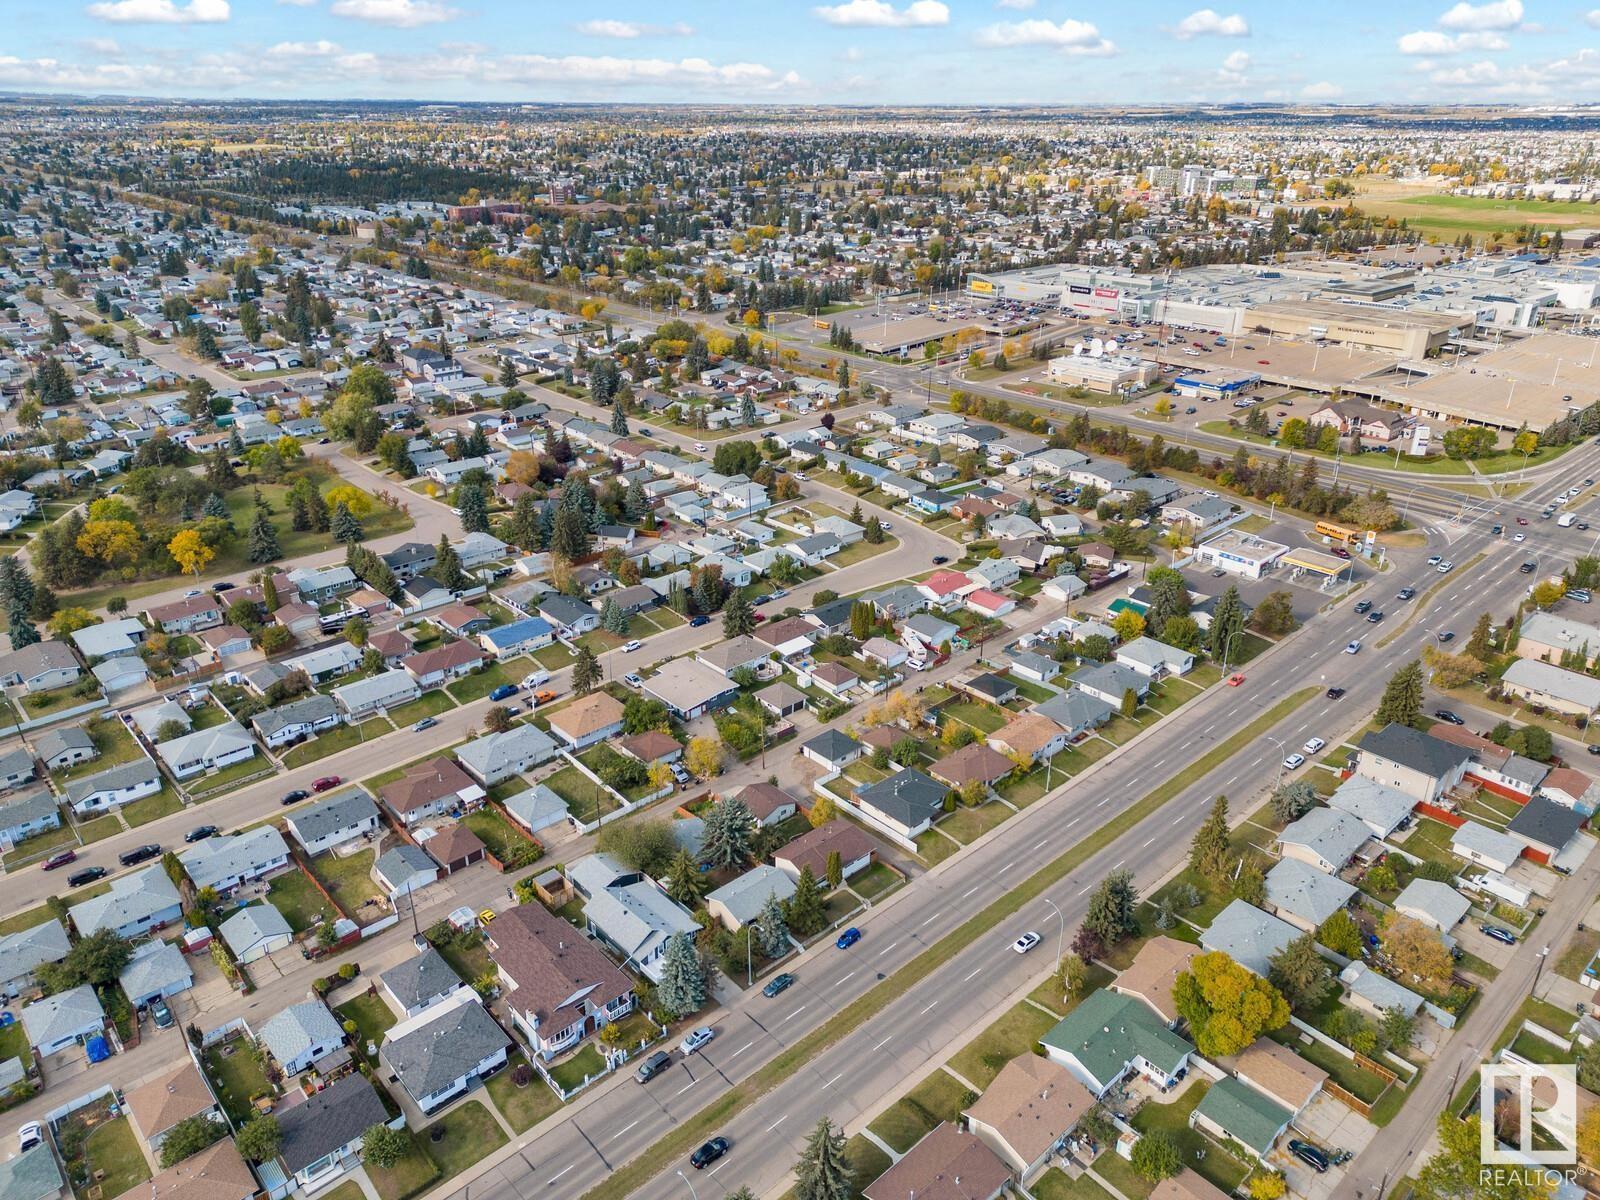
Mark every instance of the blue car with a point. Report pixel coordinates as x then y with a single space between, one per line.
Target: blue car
848 938
504 690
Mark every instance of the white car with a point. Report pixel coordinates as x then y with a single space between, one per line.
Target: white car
29 1136
535 678
1026 942
1435 561
1446 567
1353 648
633 680
1314 746
802 476
1521 537
696 1039
700 447
1294 762
630 647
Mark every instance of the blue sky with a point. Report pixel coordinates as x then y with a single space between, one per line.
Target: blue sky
779 51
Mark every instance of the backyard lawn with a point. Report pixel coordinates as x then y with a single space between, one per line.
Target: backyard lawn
297 898
1012 1036
113 1148
236 1076
1198 1151
371 1015
503 839
112 739
937 1098
1054 1185
979 716
470 1133
348 880
586 800
523 1107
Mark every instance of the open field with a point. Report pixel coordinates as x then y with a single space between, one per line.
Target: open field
1447 217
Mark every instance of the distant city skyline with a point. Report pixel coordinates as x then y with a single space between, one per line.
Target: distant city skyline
915 52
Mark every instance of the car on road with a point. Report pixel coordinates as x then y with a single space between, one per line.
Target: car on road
1363 606
778 983
1446 567
1522 520
700 447
634 680
940 559
160 1014
1335 693
696 1039
848 938
425 723
1435 561
535 679
1445 715
1353 647
1340 552
326 783
1026 942
1375 616
88 875
1235 680
504 691
191 593
630 647
60 860
1446 638
802 477
1499 935
1313 1156
29 1136
653 1066
1497 530
1190 411
223 586
696 622
1314 746
139 854
1527 568
1405 593
543 697
779 593
296 796
201 832
708 1153
1294 762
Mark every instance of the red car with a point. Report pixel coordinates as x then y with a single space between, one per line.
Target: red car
1235 680
326 782
1522 520
60 860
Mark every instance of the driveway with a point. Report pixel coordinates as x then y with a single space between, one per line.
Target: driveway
1330 1125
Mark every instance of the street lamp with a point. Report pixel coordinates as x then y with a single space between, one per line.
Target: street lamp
1283 753
1061 935
1539 970
687 1180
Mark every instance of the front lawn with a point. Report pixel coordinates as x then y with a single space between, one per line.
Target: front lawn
232 776
933 847
348 880
523 1107
470 1133
1012 1036
571 1072
967 825
875 881
937 1098
413 1174
332 741
297 898
481 683
163 804
429 704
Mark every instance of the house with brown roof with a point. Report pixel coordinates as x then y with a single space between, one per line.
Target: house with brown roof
947 1164
437 667
857 851
189 615
428 789
1030 734
973 762
834 678
218 1172
558 985
768 803
651 746
587 720
792 635
1153 972
1023 1115
462 620
1278 1073
175 1095
454 848
392 644
1187 1184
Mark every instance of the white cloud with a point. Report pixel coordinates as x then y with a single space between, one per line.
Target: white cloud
1207 22
1321 90
298 3
879 14
1236 62
1432 42
160 12
319 49
1592 18
1070 36
608 27
1017 5
1499 14
592 71
401 14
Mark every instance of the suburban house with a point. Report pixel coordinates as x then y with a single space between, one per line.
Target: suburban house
1304 895
558 985
403 870
833 749
1549 637
1110 682
1382 809
732 655
364 697
1031 736
517 637
1109 1036
40 667
629 912
1280 1074
1572 788
768 803
443 664
1409 761
1154 971
567 616
903 804
429 789
1486 847
299 1035
256 932
1544 828
947 1164
740 901
218 1172
498 756
1325 838
176 1094
189 615
157 971
34 1174
1248 936
587 720
23 952
226 863
1233 1111
1436 904
1552 687
320 1138
421 981
207 750
297 720
975 762
444 1051
137 904
1076 712
333 820
1153 659
23 817
63 747
1026 1113
63 1019
815 847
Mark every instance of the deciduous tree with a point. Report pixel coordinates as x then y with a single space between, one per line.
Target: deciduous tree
1227 1006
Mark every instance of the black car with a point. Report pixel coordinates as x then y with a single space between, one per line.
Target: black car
296 796
1405 593
1312 1156
1527 568
778 983
1595 750
87 875
1335 693
940 559
224 586
708 1153
653 1066
201 832
1374 617
1444 714
139 854
1363 606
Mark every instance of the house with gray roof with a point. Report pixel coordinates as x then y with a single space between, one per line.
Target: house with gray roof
1375 993
1382 809
333 820
16 769
137 904
498 756
320 1138
64 746
1076 711
536 808
404 870
903 804
1304 896
255 932
299 1035
629 912
1436 904
387 689
1248 936
40 667
420 982
1153 659
1109 682
33 1175
63 1019
1544 827
25 951
1486 847
833 749
444 1051
23 817
1325 838
740 901
1552 686
297 720
227 862
1410 761
114 787
157 971
207 750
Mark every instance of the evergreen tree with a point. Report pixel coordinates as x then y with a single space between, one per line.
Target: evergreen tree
205 342
215 506
747 410
738 617
508 373
21 631
16 586
1110 913
612 619
1481 644
220 474
345 525
447 566
570 537
1402 697
682 989
522 528
44 603
727 835
684 880
1210 853
823 1172
585 672
807 908
635 504
619 420
771 929
262 539
1301 973
1227 620
269 592
473 504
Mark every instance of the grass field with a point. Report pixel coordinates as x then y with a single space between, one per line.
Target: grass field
524 1107
1011 1036
348 880
371 1015
332 741
293 895
411 1175
470 1133
937 1098
114 1148
236 1076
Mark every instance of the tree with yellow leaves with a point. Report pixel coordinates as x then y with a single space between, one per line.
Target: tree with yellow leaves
190 552
823 810
704 757
1227 1005
1416 949
109 541
660 776
358 502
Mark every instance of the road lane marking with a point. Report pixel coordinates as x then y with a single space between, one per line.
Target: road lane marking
975 970
930 920
929 1009
1147 841
970 890
719 1167
795 1013
559 1174
846 979
778 1122
686 1087
1040 842
884 1043
834 1080
741 1050
887 948
1083 889
622 1131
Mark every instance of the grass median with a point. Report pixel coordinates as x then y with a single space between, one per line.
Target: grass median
690 1133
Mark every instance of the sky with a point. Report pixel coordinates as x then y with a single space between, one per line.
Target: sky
917 52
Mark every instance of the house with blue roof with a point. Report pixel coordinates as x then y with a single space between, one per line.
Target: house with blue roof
519 637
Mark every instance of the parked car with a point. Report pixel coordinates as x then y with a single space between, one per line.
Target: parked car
88 875
161 1014
223 586
777 984
633 679
678 772
425 723
139 854
201 832
1294 762
1315 745
66 856
696 622
504 691
543 697
1311 1155
1527 568
630 647
326 783
848 938
29 1136
535 679
1499 935
1026 942
696 1039
653 1066
295 796
708 1153
1444 714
